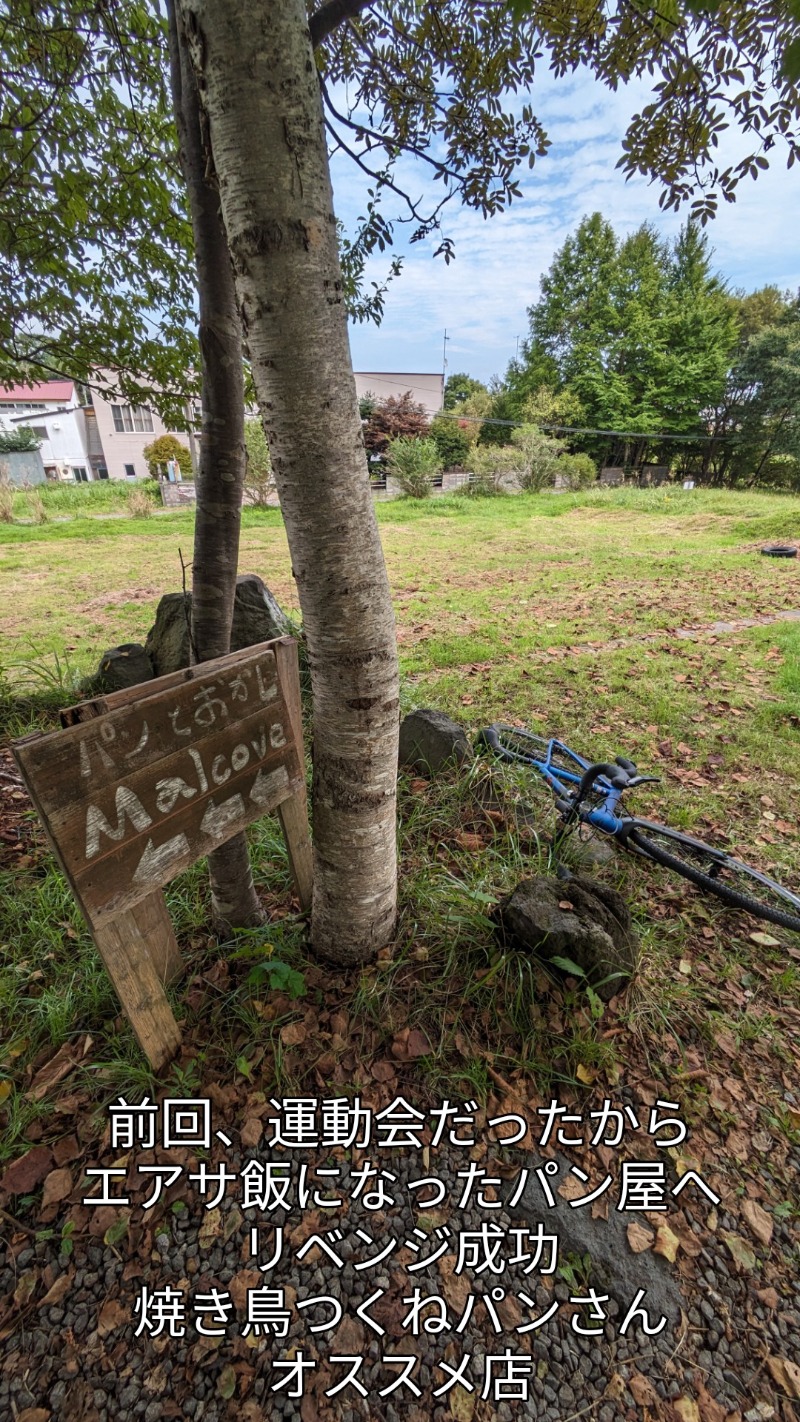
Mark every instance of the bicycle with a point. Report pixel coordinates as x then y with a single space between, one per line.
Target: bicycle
590 793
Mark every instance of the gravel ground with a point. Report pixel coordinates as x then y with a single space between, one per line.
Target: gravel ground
78 1359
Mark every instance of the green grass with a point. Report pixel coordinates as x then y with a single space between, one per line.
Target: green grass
85 500
559 612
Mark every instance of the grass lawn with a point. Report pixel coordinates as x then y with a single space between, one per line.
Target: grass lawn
566 613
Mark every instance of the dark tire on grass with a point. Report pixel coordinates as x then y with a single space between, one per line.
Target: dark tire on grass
642 842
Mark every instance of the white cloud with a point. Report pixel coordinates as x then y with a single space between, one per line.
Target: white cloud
481 298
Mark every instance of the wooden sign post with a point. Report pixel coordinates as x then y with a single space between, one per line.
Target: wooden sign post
141 783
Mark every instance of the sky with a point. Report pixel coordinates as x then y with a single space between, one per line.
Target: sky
481 298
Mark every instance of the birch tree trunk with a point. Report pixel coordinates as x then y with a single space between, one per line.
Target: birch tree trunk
258 86
220 476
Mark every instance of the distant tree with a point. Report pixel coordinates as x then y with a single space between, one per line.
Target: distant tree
159 453
755 310
472 412
639 332
550 409
367 404
458 387
259 480
395 417
452 441
766 434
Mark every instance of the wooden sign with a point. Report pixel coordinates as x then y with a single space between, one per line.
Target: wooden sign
143 782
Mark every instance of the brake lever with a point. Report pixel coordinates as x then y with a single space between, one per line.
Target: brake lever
644 780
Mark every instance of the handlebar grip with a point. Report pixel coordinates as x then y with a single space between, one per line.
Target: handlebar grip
611 772
489 739
625 764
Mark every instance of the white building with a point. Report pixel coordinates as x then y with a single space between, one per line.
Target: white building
427 388
52 409
117 434
84 434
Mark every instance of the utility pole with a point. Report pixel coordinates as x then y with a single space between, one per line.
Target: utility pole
444 364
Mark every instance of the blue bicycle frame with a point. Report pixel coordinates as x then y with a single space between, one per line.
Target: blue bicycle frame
604 817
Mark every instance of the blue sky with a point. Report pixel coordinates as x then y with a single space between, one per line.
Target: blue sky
481 297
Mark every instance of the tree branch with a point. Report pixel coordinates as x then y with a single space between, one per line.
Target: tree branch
330 15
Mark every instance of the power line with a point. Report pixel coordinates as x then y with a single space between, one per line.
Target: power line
576 429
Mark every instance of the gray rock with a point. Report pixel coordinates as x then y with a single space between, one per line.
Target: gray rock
578 919
257 617
126 665
614 1266
429 740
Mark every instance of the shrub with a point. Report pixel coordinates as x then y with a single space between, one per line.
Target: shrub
259 481
19 441
6 500
139 504
492 466
414 463
537 458
578 470
451 441
394 418
162 450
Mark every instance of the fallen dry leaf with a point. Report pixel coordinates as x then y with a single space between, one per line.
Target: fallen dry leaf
409 1044
23 1175
251 1132
210 1228
759 1221
306 1226
639 1237
740 1250
67 1149
59 1066
786 1374
710 1409
57 1186
350 1337
58 1290
111 1317
34 1414
642 1390
687 1409
455 1287
462 1405
26 1287
293 1034
240 1285
667 1243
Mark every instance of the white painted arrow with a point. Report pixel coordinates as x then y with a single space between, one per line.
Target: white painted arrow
217 820
156 859
267 786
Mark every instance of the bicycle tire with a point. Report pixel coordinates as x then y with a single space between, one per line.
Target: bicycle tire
645 845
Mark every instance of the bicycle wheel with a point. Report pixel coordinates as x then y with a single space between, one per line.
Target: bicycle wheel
717 873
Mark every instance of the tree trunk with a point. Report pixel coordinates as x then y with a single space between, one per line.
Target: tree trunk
258 86
220 475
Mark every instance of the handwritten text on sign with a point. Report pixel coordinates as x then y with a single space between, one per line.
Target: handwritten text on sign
136 795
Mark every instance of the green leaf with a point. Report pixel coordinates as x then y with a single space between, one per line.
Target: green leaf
567 966
116 1231
226 1382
